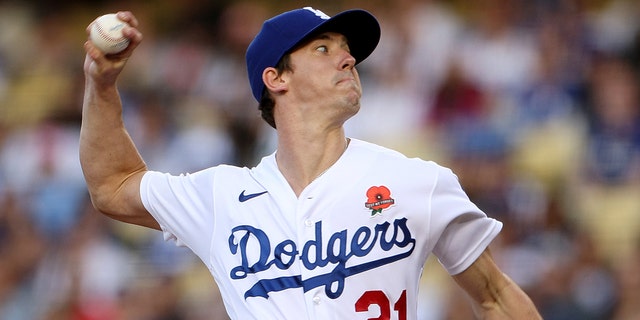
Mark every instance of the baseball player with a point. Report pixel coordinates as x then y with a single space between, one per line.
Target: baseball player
325 227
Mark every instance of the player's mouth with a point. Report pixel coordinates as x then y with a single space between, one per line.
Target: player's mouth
345 76
347 80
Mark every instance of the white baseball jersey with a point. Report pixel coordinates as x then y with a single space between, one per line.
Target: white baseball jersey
351 246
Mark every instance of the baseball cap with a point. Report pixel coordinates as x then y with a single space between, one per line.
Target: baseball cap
283 32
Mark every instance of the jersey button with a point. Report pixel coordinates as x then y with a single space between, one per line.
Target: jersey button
316 300
308 223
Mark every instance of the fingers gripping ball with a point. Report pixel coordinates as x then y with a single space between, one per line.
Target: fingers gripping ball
106 34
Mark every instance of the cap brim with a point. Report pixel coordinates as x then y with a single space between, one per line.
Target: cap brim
359 27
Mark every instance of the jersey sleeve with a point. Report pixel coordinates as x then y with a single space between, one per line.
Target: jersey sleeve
183 206
462 230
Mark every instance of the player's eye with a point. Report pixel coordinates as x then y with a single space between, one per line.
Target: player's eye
322 48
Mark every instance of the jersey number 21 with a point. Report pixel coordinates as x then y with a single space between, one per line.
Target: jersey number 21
377 297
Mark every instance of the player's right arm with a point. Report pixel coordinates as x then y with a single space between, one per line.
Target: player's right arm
111 164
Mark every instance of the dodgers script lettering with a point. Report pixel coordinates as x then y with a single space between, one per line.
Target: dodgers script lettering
316 253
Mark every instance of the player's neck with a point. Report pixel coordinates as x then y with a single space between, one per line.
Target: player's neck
303 159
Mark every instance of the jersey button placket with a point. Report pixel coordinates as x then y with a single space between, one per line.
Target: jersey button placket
307 232
308 223
305 210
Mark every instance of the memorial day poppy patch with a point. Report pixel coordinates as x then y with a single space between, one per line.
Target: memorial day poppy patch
378 199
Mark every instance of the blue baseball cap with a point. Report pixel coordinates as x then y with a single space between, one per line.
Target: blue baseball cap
283 32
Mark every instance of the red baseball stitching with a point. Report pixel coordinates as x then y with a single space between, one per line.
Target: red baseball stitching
113 41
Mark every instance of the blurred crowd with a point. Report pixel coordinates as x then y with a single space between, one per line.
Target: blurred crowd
534 104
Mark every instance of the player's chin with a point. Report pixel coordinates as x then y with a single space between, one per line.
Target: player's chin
352 103
355 97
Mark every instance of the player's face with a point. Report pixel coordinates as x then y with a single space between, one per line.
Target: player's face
324 76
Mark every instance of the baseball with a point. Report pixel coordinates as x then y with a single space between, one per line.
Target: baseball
106 34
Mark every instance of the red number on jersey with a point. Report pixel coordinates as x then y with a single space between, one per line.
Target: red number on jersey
378 298
401 306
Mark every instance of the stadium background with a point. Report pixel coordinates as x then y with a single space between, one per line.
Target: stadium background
535 104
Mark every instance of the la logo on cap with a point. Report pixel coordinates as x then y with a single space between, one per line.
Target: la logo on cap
318 13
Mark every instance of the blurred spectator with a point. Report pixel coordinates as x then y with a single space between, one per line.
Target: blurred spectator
615 25
223 83
613 156
546 122
83 273
49 183
21 248
609 180
458 101
496 52
402 75
628 281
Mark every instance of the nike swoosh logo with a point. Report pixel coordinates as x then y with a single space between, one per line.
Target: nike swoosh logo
244 197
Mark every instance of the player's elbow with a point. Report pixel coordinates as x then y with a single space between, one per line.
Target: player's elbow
103 202
122 201
124 209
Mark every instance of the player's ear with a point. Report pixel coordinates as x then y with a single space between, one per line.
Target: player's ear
273 81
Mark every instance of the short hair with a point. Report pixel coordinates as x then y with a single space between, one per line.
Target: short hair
267 103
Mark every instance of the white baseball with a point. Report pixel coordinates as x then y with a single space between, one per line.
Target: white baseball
106 34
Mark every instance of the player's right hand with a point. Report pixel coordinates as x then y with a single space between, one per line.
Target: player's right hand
104 69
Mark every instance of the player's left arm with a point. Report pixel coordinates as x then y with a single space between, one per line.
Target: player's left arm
494 294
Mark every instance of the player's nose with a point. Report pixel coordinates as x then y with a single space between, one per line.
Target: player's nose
348 61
